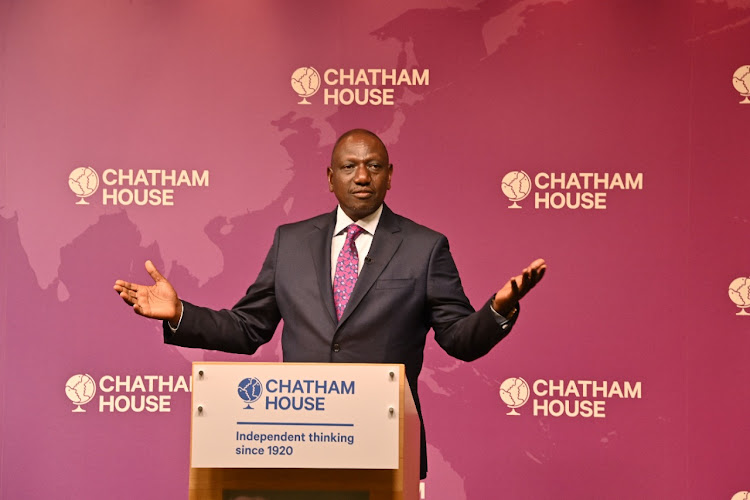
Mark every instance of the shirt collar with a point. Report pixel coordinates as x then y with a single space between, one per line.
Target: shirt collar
369 223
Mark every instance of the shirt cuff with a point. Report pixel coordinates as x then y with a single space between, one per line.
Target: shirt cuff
505 322
174 328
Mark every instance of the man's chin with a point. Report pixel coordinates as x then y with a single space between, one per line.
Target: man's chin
357 211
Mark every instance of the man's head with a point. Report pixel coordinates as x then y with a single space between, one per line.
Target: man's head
360 173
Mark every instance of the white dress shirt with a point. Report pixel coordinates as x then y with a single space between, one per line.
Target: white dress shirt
363 241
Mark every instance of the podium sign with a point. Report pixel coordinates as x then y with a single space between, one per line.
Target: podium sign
295 415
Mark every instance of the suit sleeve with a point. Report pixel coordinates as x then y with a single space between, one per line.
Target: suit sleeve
242 329
461 331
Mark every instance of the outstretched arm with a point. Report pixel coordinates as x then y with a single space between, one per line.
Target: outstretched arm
158 301
507 298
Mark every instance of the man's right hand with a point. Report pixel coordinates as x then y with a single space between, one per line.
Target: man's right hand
157 301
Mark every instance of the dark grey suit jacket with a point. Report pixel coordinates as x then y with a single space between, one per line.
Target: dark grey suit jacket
408 284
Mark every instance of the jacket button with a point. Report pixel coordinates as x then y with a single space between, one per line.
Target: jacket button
336 348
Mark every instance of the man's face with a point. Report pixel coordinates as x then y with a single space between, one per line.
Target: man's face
359 174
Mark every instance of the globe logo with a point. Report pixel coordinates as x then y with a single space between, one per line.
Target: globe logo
516 186
739 292
84 182
250 390
515 393
741 495
741 81
80 389
306 82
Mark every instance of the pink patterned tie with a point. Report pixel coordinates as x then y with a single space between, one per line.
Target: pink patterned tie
347 268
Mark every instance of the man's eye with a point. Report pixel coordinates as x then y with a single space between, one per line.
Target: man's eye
374 166
347 167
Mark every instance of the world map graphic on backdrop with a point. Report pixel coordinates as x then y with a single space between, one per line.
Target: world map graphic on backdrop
514 87
491 26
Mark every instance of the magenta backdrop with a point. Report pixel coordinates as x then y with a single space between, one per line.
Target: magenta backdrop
639 293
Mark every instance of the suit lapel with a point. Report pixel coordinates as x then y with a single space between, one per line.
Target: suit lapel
386 241
320 248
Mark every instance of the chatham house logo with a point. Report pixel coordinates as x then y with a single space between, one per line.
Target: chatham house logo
515 393
516 186
741 495
80 389
305 82
250 390
739 292
741 82
83 181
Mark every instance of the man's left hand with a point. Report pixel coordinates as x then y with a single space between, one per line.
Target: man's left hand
507 298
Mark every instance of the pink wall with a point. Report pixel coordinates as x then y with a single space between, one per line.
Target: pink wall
637 292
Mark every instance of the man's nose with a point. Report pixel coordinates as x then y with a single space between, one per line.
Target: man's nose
362 175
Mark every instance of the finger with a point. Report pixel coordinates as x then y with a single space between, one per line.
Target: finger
514 288
124 285
538 267
540 273
527 280
153 272
127 298
538 263
131 293
138 310
532 279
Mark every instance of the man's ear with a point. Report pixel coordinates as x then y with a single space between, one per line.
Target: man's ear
329 174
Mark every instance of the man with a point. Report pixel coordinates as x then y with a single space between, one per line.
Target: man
361 284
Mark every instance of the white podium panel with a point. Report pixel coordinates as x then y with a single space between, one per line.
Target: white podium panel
295 415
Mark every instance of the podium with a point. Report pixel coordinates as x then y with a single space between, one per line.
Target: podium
292 431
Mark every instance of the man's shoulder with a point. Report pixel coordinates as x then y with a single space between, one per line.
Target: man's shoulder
414 228
319 221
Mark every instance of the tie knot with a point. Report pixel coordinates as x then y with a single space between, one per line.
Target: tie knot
352 231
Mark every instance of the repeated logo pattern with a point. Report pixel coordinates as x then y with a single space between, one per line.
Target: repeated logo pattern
347 268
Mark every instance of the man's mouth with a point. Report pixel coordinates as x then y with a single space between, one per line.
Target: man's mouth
362 194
